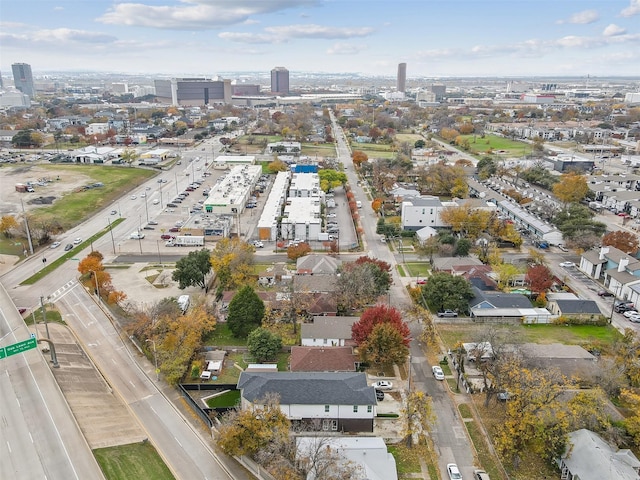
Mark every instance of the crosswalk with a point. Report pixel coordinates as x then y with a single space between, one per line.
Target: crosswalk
62 291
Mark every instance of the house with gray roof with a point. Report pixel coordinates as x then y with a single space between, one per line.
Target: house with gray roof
423 211
317 265
575 308
328 331
619 271
501 307
589 457
337 401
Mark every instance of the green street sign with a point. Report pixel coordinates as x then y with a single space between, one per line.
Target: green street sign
20 347
2 354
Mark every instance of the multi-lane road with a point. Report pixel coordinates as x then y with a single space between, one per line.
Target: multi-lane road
39 437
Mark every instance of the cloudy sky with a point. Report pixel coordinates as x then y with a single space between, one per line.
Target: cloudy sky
435 37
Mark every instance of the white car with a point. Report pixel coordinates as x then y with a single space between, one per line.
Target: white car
454 472
567 264
331 215
437 372
77 241
55 245
630 313
258 244
143 195
156 201
382 385
133 197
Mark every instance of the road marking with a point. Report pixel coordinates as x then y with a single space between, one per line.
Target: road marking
18 401
9 445
153 410
132 384
30 437
114 361
175 439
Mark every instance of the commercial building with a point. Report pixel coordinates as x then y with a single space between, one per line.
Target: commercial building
193 91
280 81
420 212
401 82
268 222
230 196
23 79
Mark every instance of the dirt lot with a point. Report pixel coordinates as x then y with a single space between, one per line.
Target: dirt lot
61 182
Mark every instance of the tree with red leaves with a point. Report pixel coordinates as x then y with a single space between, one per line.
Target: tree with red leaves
539 278
380 314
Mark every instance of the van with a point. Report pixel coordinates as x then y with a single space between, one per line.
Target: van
137 235
183 302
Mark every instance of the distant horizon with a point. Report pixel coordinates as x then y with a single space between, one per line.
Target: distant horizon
435 38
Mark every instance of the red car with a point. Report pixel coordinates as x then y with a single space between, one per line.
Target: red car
174 229
166 237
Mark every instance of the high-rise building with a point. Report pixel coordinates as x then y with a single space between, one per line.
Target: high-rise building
23 79
193 91
280 80
401 82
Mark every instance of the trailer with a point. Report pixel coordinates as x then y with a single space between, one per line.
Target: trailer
188 241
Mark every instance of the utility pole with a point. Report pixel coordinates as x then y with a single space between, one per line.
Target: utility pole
44 317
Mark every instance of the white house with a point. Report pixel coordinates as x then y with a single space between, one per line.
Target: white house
367 457
329 401
327 331
420 212
619 272
96 129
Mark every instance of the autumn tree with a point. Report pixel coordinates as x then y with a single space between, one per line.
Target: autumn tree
445 291
631 399
362 282
384 346
263 345
294 252
129 156
419 416
96 278
277 166
506 273
449 134
8 223
466 220
380 314
231 262
571 188
246 311
358 157
330 178
193 269
252 429
376 205
626 241
539 278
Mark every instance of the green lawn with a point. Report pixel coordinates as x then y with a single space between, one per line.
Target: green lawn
137 460
374 150
222 336
422 269
226 399
407 459
75 207
481 145
320 149
486 459
585 335
53 316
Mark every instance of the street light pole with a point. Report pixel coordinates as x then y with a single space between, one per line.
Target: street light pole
159 257
95 277
44 317
155 357
113 242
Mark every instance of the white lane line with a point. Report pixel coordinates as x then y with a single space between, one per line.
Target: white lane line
173 437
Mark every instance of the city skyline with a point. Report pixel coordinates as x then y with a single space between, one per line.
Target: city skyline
437 38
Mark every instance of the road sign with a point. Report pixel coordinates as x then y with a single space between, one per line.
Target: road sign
20 347
2 354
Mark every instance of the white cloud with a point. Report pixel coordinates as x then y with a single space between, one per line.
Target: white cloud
195 14
345 49
57 37
632 9
612 30
58 8
257 38
319 31
582 18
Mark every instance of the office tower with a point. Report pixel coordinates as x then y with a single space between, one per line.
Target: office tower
439 90
402 78
22 79
193 91
280 80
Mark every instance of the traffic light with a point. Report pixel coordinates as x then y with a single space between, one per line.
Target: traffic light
44 260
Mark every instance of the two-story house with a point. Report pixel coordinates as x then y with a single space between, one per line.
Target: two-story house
328 332
336 401
619 272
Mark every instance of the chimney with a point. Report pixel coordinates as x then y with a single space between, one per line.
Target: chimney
623 264
603 252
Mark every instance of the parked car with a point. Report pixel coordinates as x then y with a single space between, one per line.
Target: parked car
503 396
630 313
605 293
480 475
633 316
379 395
258 244
331 215
55 245
165 236
114 212
172 205
454 472
68 247
152 222
567 264
382 385
437 372
133 197
174 229
448 313
621 307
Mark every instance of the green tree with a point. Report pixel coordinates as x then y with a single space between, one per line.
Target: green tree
129 155
193 269
384 346
331 178
23 139
446 291
419 144
462 248
263 345
246 311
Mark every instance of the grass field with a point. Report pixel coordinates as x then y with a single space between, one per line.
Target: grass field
222 336
407 459
226 399
422 269
486 458
75 207
481 145
408 137
374 150
584 335
320 150
137 460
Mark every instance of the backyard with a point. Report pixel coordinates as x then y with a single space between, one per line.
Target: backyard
480 145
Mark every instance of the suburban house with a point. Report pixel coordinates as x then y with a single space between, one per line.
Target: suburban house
570 360
575 308
328 332
317 265
323 359
313 284
323 401
368 456
505 307
447 264
478 275
589 457
619 271
424 211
